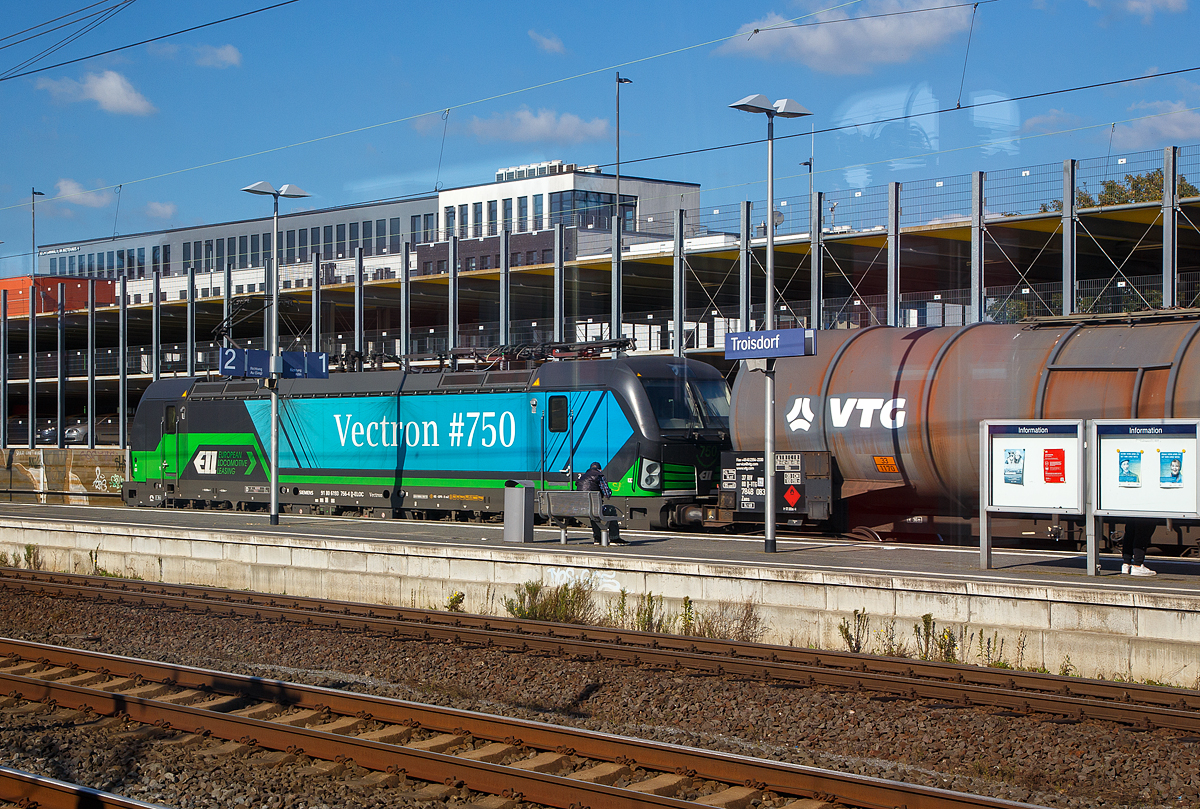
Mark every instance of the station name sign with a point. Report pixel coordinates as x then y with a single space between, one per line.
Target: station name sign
750 345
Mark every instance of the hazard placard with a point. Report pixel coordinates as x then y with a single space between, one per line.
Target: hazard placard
886 463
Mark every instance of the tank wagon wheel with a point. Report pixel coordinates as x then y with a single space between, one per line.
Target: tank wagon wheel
865 534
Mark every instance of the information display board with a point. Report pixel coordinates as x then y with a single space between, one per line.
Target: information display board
1032 467
1145 467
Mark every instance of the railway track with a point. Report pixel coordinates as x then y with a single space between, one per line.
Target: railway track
512 760
23 790
1072 698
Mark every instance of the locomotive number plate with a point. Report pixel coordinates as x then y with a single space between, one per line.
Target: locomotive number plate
886 463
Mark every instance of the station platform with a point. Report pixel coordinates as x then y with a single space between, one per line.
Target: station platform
1042 605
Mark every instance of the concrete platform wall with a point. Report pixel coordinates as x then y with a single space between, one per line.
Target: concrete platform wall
1105 633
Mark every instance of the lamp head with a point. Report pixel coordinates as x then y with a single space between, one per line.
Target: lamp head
787 108
38 193
291 191
261 187
754 103
624 81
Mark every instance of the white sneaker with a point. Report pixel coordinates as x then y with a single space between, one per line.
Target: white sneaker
1125 569
1141 570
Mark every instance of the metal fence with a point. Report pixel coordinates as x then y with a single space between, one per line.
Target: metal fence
1116 179
1021 191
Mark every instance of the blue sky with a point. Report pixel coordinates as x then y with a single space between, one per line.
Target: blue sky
345 99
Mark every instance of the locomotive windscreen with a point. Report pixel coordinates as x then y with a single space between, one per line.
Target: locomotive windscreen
689 403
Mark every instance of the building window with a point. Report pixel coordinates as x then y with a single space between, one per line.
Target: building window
254 249
243 252
141 261
508 214
367 243
471 263
462 221
314 241
303 236
492 217
267 241
230 252
537 211
220 263
522 214
155 259
53 266
137 298
441 266
240 289
427 268
449 223
531 257
514 259
353 236
327 250
187 254
394 235
477 219
341 241
92 262
380 236
290 255
430 231
485 262
182 294
208 254
167 259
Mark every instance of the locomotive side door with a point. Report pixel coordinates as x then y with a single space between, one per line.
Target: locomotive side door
167 468
558 462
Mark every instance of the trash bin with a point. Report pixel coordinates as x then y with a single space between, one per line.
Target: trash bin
518 510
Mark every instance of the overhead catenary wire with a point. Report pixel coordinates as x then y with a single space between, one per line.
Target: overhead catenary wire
67 40
56 27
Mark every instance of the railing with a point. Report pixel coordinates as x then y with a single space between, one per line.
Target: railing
1025 190
1103 180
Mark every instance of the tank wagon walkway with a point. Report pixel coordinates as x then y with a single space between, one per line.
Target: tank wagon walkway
1040 602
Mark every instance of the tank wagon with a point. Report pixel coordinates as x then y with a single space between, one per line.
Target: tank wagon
440 444
898 409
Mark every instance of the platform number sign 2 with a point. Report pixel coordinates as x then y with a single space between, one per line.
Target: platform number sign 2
233 362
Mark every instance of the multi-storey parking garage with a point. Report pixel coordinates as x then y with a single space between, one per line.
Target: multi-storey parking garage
529 258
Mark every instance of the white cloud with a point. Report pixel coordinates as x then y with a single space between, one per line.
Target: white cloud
550 43
1052 120
74 193
1146 9
109 89
544 125
211 56
1173 123
161 210
856 45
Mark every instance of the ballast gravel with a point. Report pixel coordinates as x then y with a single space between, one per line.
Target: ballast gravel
1029 758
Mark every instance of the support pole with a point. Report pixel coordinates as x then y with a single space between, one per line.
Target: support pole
769 505
978 280
191 321
316 302
3 368
156 327
32 410
60 417
678 287
227 304
744 259
614 328
893 255
1068 238
985 526
91 363
452 268
1170 225
560 297
505 288
123 365
405 310
816 263
359 314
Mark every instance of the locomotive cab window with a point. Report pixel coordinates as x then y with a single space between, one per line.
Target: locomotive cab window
559 415
169 420
688 403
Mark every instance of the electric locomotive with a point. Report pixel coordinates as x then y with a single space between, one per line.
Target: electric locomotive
438 444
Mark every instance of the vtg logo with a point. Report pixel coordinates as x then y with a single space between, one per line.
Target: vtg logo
891 412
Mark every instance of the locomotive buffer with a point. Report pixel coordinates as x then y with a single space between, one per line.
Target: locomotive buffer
760 349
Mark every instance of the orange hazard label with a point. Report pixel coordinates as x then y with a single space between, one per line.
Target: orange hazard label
886 463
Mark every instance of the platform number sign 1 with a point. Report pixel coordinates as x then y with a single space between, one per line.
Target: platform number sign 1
256 362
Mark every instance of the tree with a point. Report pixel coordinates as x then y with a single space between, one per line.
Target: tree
1136 188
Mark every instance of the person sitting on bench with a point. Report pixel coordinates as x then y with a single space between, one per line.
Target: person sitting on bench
593 481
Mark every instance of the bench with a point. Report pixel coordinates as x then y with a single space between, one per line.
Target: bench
558 507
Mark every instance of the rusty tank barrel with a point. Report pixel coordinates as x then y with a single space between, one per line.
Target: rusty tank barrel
899 409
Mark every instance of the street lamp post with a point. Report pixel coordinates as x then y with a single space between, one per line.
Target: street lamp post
784 108
289 191
617 224
33 195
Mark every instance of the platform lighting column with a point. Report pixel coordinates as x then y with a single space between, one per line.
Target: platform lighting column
618 225
978 250
452 269
784 108
291 192
156 328
359 337
678 286
893 255
744 262
316 302
60 438
91 363
191 321
33 255
816 262
1068 238
560 297
505 285
31 418
405 311
227 304
123 364
3 368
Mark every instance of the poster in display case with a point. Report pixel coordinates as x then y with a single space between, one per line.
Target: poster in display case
1032 466
1145 467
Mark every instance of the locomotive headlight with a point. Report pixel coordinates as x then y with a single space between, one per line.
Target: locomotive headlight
651 474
